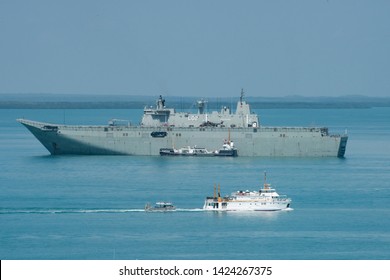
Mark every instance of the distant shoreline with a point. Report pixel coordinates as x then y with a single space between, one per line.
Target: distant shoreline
186 106
80 101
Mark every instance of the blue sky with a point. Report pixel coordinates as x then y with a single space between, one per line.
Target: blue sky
195 48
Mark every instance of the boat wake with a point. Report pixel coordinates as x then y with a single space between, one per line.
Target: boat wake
189 210
82 211
97 211
67 211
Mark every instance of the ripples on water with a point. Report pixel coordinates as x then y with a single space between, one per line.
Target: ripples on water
88 207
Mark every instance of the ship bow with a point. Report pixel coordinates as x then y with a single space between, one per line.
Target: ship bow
44 132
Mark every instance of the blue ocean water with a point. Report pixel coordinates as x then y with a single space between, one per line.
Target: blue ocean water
91 207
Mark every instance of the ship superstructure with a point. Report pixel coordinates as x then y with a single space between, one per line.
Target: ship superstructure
163 127
168 117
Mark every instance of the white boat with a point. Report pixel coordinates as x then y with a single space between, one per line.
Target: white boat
265 199
160 206
186 151
227 150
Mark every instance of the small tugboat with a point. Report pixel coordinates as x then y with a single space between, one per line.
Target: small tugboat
266 199
160 206
227 150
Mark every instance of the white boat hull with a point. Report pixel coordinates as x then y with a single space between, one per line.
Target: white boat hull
212 205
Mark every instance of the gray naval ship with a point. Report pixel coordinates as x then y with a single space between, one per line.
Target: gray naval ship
163 127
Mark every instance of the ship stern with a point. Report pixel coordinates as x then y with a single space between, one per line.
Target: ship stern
342 146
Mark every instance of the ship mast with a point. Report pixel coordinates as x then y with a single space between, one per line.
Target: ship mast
266 186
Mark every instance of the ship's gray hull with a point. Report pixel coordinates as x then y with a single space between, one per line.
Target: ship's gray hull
132 140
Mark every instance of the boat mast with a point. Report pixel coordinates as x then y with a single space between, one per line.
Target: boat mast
266 186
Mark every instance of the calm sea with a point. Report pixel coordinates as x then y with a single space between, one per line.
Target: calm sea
91 207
